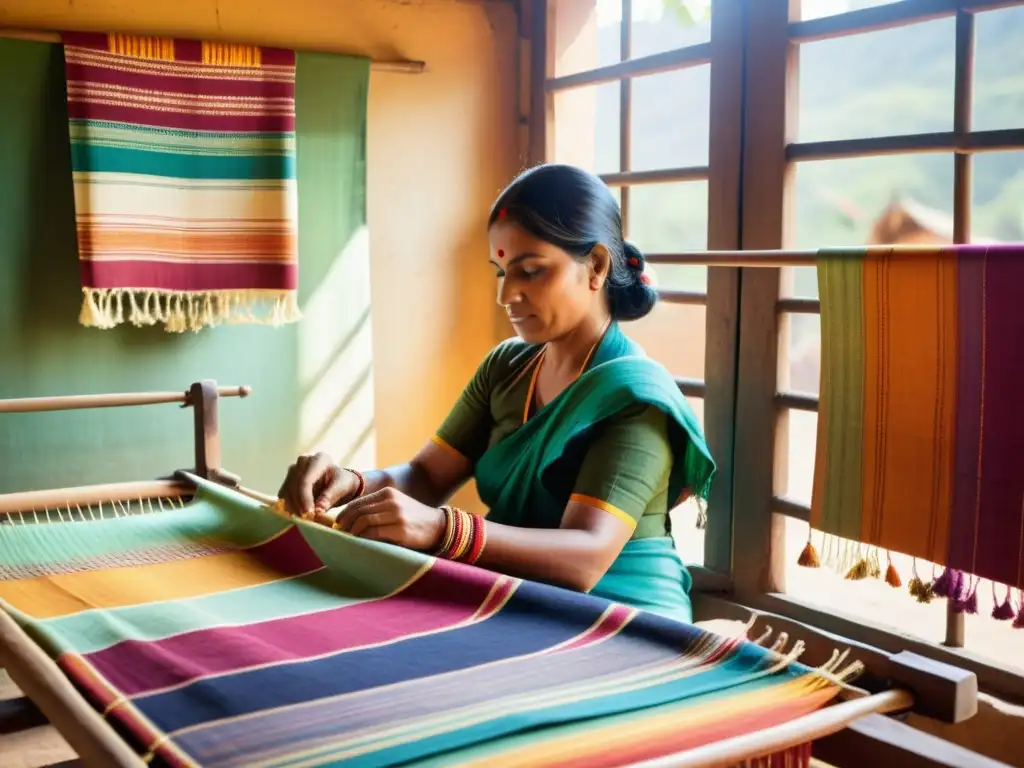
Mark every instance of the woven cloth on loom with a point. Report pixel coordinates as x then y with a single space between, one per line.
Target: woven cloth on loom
919 426
183 156
222 634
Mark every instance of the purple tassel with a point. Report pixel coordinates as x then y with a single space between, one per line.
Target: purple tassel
968 604
943 586
1003 612
957 586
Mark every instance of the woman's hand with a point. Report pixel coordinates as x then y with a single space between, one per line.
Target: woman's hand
314 483
389 515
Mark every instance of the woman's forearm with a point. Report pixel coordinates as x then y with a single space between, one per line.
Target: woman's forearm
410 478
567 557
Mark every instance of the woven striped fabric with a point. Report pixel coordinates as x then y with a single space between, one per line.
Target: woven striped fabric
183 156
222 634
919 425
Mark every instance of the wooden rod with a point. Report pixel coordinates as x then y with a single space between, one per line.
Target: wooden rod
963 107
114 400
627 178
54 498
39 678
402 66
824 722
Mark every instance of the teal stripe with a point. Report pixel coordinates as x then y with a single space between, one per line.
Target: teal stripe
842 332
97 159
208 520
357 570
98 629
83 126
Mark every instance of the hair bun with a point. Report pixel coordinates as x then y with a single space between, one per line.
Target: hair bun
634 258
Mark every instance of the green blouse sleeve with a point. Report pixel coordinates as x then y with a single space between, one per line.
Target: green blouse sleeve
625 471
467 428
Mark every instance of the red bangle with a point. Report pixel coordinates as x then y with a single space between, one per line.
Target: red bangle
479 539
362 482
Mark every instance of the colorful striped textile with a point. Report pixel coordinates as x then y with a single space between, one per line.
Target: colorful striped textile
183 158
222 634
919 423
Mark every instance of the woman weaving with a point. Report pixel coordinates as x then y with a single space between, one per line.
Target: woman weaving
579 444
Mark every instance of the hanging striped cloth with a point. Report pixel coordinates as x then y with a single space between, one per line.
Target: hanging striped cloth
183 157
920 420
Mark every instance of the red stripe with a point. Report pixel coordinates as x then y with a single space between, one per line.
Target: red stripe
96 40
189 276
78 110
610 625
439 600
85 74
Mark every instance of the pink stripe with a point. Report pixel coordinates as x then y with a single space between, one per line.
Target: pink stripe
78 110
440 599
610 625
86 74
189 276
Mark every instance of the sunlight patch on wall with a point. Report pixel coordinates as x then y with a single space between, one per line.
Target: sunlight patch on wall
336 361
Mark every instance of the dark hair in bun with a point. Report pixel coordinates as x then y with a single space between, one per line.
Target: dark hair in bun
575 211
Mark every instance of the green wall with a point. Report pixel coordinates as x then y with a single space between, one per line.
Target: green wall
44 351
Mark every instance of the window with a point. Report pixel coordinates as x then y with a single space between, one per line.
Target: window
773 125
631 99
880 115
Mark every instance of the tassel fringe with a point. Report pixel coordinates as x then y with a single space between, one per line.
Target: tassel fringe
809 557
186 311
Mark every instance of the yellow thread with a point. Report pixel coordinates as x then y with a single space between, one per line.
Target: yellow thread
229 54
147 47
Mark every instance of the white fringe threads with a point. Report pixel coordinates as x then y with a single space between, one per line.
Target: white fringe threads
186 311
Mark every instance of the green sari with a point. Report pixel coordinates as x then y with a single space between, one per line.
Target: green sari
522 475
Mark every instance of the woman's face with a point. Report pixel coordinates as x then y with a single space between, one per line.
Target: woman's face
546 292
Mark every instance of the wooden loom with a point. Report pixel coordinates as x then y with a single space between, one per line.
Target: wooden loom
897 683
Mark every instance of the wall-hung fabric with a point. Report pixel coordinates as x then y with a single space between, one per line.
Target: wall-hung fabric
183 155
307 378
920 421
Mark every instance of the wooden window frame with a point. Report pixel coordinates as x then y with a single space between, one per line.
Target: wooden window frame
724 53
770 153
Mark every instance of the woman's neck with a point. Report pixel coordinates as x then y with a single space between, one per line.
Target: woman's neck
567 354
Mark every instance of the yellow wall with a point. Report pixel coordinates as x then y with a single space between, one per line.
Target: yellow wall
440 147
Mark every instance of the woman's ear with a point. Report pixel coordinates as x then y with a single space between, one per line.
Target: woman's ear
600 264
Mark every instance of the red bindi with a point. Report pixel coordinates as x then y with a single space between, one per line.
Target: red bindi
501 254
502 214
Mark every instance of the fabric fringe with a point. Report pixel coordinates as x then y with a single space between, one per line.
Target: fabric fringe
793 757
186 310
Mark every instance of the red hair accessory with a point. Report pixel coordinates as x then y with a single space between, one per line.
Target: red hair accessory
502 214
634 262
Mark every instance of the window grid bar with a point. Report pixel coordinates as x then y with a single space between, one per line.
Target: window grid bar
879 18
625 110
915 143
791 508
670 296
796 401
798 306
667 61
627 178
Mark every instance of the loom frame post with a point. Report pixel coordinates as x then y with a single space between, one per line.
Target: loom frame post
203 397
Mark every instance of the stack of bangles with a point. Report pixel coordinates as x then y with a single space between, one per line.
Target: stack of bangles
464 536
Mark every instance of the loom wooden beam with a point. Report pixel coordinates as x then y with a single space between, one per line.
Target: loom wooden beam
879 740
941 691
39 677
86 495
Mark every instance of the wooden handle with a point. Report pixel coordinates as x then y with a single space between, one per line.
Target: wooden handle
39 678
115 400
